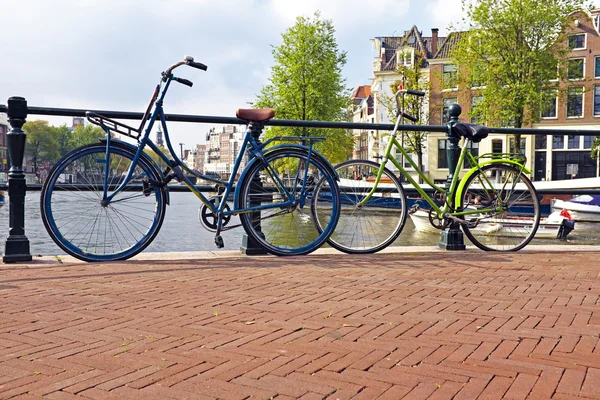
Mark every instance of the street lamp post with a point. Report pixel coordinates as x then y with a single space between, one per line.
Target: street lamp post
181 150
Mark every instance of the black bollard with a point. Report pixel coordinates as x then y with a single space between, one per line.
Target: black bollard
249 246
452 237
17 245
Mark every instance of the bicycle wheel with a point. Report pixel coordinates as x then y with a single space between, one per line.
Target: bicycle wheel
75 217
286 224
377 223
501 186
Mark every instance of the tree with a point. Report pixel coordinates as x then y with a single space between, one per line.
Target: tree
514 50
85 134
42 142
306 83
412 78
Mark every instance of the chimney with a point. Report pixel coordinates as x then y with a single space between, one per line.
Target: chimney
434 41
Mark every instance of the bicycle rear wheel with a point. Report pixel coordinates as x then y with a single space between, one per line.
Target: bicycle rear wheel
373 226
81 225
501 186
282 186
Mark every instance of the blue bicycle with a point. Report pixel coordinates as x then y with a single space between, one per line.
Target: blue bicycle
107 201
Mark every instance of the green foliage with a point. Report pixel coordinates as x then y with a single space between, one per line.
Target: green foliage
513 49
412 78
87 134
42 142
306 84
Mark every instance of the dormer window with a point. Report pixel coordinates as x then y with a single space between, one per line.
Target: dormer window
406 57
577 42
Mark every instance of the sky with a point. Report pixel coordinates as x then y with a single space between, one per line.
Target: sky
108 54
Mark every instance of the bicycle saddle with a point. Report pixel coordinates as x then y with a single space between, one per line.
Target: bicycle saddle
255 114
470 131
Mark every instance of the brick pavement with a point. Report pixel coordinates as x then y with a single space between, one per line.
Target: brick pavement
460 325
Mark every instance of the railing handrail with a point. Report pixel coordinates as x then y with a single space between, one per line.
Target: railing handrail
74 112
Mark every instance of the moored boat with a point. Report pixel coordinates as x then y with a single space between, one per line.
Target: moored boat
584 208
549 227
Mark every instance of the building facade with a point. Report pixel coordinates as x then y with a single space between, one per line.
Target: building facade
552 157
4 165
222 149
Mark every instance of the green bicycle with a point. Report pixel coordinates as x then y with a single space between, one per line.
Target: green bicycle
495 203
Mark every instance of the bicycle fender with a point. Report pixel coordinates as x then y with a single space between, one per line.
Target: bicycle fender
315 154
463 181
146 157
270 150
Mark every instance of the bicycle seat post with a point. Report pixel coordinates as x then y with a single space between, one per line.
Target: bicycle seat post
452 237
249 246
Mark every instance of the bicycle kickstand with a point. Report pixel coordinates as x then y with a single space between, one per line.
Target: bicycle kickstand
218 239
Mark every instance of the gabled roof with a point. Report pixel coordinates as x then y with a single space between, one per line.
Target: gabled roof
411 38
446 48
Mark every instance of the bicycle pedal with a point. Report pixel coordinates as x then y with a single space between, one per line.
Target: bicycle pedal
219 242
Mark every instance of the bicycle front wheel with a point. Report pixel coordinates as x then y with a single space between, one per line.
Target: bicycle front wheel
374 225
278 203
84 227
506 189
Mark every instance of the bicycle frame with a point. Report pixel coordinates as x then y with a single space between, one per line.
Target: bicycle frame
249 144
449 206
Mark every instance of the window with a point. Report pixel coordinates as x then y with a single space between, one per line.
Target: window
475 102
588 141
497 146
474 149
573 142
549 101
405 57
597 101
447 103
577 42
477 75
442 155
541 142
597 67
449 76
575 68
511 145
558 142
575 102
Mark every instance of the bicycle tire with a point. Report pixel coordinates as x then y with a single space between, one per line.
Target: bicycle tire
75 218
288 230
515 226
376 224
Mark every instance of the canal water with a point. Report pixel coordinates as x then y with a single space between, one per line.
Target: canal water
181 230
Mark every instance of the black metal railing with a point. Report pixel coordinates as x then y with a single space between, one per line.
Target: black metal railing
17 244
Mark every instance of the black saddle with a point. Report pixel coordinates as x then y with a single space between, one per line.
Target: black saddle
470 131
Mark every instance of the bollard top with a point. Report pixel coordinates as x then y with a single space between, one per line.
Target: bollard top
17 108
454 111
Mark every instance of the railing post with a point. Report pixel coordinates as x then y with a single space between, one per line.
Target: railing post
17 245
452 237
249 246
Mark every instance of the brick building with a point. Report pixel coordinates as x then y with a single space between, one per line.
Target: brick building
552 157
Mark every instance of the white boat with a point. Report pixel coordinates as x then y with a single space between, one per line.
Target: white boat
582 208
548 228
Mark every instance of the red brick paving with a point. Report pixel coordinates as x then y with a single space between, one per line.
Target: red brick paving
455 325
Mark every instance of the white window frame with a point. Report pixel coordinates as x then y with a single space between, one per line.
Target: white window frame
555 108
582 104
584 41
450 89
582 72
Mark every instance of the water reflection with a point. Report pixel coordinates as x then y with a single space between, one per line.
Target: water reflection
181 230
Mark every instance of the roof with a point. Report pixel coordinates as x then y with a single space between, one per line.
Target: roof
411 38
446 48
361 92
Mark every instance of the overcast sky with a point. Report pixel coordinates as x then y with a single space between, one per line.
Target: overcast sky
108 54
